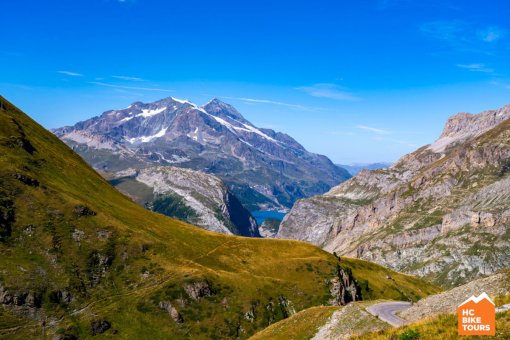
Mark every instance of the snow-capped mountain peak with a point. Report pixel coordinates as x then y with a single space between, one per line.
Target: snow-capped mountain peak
214 138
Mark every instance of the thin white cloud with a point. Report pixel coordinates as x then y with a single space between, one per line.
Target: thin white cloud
69 73
444 30
128 78
476 68
130 87
373 129
490 34
267 101
396 141
331 91
464 36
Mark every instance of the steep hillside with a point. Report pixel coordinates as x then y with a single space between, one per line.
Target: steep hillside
324 323
80 259
432 317
440 212
191 196
263 168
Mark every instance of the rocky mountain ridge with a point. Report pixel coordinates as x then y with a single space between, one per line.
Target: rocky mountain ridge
439 212
191 196
263 168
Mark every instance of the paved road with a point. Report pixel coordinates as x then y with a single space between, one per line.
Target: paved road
386 311
503 308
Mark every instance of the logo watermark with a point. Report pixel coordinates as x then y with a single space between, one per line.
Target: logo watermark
477 316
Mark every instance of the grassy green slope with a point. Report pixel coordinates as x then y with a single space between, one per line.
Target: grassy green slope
337 323
300 326
119 261
377 282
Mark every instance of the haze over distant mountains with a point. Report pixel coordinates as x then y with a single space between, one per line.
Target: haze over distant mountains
355 168
263 168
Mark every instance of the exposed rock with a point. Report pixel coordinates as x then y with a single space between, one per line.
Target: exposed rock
103 234
61 296
198 289
174 314
21 142
286 306
25 179
250 315
344 288
269 228
78 235
81 210
98 265
439 212
189 195
99 326
19 298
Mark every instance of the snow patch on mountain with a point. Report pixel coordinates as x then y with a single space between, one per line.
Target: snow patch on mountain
149 113
182 101
146 139
246 128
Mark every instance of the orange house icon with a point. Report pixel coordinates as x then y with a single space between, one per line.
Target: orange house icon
477 316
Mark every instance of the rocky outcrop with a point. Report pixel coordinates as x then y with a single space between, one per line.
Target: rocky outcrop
19 298
198 290
192 196
99 326
263 168
174 314
269 228
344 288
436 213
23 302
81 210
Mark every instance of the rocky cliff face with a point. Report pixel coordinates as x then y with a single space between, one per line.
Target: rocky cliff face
263 168
192 196
440 212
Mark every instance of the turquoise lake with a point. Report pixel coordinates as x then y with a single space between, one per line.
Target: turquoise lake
262 215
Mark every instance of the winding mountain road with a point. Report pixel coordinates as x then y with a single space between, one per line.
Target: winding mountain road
386 311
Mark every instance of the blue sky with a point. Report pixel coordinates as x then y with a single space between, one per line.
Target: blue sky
358 81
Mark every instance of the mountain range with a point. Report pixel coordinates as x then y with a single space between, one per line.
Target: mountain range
81 260
440 212
263 168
